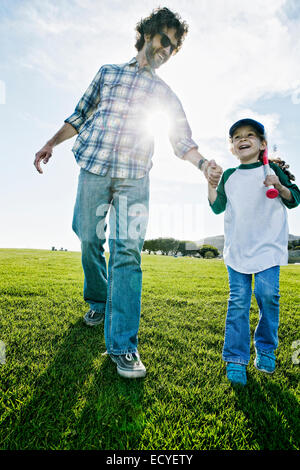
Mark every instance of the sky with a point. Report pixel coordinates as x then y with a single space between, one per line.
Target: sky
239 59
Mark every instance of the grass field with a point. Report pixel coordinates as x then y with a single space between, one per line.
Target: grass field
57 390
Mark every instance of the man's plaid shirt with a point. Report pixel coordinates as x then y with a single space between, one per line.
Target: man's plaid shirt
111 118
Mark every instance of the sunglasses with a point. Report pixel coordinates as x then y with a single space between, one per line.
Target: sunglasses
166 42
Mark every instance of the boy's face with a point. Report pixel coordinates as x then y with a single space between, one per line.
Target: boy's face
246 144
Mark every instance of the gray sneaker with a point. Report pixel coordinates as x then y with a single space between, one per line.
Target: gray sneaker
92 318
129 365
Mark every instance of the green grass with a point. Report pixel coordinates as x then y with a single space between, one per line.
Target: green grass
57 390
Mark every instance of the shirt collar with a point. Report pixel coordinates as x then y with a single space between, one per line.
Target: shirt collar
134 62
248 166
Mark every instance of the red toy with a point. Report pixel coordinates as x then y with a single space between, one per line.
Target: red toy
271 191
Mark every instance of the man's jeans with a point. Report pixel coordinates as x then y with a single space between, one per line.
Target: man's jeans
119 293
237 328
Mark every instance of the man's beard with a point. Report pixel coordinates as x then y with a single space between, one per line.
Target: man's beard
152 58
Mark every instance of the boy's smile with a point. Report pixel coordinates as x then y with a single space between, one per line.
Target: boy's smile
246 144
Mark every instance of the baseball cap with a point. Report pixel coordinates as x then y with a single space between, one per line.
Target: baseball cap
247 122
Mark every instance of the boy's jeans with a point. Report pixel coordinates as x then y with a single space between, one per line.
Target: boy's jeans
119 293
237 328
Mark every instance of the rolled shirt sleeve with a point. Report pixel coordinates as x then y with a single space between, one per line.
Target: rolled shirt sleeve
87 103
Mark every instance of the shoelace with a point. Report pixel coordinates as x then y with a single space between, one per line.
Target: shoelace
268 355
92 313
266 360
235 368
130 357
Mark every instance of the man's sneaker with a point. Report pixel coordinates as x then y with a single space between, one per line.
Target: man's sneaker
92 318
129 365
265 361
236 373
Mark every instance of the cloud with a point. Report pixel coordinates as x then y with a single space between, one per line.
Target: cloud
233 49
235 53
237 57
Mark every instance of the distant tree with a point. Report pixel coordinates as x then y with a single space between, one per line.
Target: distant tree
148 246
295 243
181 248
155 245
186 248
209 254
206 248
151 246
173 244
167 245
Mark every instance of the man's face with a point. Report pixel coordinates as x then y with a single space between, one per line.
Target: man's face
156 53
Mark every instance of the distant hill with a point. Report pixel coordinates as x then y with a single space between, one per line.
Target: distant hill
218 241
294 237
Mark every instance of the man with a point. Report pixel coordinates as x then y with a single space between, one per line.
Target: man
114 150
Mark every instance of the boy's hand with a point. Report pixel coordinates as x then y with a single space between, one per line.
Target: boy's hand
273 180
213 173
284 192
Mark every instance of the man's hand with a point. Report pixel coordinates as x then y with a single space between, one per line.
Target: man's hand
43 155
65 132
212 172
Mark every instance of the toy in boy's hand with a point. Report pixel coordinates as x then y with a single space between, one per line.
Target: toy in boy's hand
271 192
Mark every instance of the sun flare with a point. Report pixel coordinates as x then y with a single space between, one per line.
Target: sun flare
157 123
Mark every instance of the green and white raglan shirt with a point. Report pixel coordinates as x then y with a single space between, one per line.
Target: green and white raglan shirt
255 227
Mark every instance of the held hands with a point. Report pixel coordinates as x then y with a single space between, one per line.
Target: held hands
212 172
42 155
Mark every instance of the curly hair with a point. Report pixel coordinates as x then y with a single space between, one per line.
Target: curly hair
277 160
160 18
284 167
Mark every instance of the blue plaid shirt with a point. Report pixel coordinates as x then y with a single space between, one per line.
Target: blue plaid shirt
111 118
